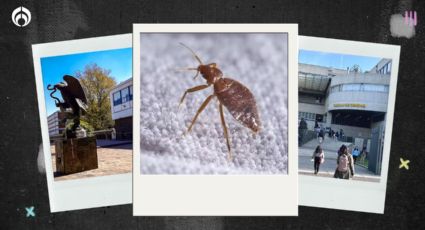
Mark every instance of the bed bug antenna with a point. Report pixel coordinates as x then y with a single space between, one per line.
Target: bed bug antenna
189 69
196 56
185 69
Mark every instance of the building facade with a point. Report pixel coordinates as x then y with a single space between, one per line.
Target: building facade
121 97
53 122
348 100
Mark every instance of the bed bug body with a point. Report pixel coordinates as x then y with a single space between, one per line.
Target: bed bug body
231 94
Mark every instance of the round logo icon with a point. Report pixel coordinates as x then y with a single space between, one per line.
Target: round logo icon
21 16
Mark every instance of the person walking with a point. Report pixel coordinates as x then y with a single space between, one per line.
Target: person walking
356 153
345 166
319 158
321 136
302 130
316 129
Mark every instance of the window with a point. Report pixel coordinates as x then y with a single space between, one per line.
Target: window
351 87
117 98
125 95
131 92
336 88
360 88
389 68
375 88
307 116
386 69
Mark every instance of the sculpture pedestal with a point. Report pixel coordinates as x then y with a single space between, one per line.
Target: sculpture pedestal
76 155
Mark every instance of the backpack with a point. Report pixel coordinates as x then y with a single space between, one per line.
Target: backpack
343 163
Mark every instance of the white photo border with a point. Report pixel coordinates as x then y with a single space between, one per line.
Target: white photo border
86 192
218 195
348 194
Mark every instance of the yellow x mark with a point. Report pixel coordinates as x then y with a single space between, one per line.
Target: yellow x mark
404 163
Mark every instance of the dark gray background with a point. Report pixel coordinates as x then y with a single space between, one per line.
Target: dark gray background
21 185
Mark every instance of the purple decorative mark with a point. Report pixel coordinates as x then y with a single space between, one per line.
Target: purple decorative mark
410 18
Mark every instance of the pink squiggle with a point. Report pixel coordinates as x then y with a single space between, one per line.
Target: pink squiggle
410 18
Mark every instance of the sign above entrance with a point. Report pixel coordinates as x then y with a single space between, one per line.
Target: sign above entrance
350 105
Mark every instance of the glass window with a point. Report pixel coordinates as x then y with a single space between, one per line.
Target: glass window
125 95
308 116
131 92
351 87
375 88
360 88
117 98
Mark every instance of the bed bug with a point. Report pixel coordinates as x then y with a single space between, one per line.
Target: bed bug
231 94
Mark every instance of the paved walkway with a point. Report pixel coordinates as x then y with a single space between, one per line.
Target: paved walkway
327 169
329 144
110 143
111 161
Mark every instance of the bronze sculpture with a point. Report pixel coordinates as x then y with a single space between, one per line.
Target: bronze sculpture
75 151
74 98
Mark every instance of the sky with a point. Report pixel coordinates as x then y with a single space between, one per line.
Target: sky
119 61
339 61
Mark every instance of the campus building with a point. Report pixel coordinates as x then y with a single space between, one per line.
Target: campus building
53 122
352 100
121 97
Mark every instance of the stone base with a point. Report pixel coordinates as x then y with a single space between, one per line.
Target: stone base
76 155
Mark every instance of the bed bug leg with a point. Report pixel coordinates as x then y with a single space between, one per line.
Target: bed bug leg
204 104
191 90
226 135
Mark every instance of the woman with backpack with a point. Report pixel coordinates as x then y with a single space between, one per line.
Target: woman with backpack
345 165
319 158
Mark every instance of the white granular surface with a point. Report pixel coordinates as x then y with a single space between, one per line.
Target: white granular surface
259 61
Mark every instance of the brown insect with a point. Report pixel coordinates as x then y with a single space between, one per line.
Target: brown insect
237 98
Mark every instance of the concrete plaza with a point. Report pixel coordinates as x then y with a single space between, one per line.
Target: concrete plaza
112 159
327 169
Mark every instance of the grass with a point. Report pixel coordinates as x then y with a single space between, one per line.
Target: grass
363 163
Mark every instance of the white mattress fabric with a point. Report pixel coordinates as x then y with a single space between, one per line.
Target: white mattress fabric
258 61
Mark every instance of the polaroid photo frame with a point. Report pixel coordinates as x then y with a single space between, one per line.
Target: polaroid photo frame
354 195
209 194
89 192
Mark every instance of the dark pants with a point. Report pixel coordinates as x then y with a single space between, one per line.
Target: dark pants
317 161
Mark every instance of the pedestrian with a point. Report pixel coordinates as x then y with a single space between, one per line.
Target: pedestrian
302 130
303 124
345 166
319 158
316 129
356 153
321 136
